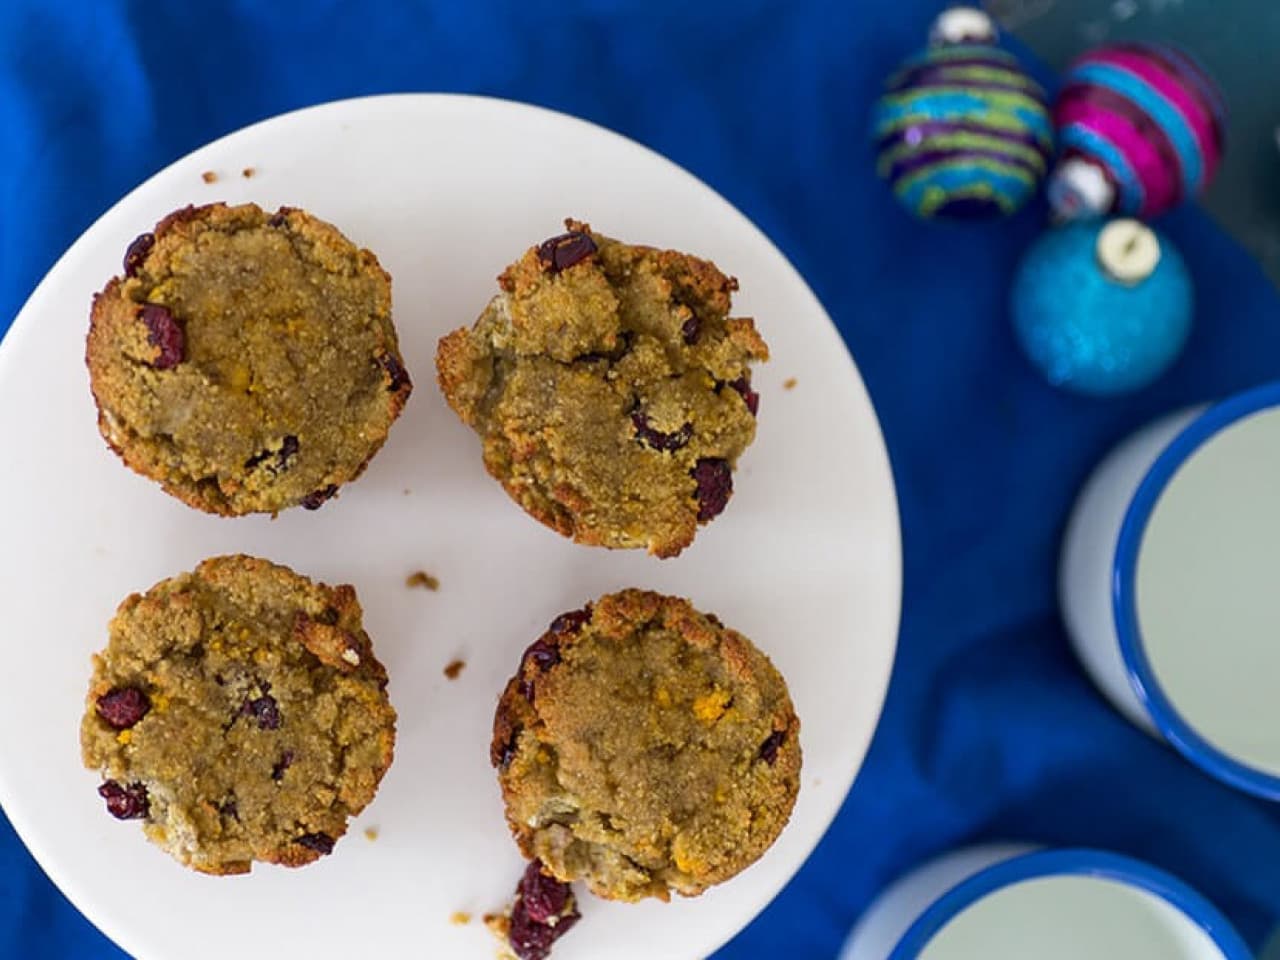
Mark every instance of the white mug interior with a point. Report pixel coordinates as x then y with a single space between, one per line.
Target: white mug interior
1206 591
988 903
1168 540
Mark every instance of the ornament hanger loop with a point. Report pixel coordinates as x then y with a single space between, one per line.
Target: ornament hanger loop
958 25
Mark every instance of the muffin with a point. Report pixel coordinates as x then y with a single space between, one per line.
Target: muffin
610 388
644 748
246 361
240 713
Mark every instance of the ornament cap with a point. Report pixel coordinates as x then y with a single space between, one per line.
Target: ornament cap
957 25
1080 190
1128 251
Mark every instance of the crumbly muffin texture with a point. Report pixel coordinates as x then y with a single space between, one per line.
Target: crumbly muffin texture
645 748
610 388
247 361
240 713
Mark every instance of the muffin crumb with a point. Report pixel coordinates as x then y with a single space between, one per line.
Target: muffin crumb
499 924
789 383
454 668
371 833
460 918
422 579
248 172
209 177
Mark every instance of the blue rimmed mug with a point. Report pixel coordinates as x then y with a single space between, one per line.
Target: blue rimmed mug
1170 584
1007 902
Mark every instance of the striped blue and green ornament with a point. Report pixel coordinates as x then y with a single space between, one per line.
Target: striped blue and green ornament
962 131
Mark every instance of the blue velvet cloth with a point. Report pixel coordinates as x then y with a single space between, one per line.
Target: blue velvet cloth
991 730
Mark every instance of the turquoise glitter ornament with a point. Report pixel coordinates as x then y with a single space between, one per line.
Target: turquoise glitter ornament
1102 308
961 130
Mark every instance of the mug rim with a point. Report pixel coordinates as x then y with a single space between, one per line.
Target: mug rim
1072 862
1172 725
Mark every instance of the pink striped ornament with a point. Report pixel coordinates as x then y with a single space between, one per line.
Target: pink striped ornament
1140 129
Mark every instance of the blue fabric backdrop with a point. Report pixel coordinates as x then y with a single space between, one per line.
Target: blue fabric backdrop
990 730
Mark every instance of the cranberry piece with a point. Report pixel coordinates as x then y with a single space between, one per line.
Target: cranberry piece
288 450
265 710
572 621
316 499
544 896
543 654
715 486
278 218
530 940
280 766
163 332
229 809
321 843
690 329
543 913
769 749
123 707
562 252
749 396
502 758
137 252
656 438
396 371
125 803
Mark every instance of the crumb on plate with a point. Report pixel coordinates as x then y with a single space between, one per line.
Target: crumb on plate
460 918
454 668
422 579
248 172
371 833
209 177
789 383
499 924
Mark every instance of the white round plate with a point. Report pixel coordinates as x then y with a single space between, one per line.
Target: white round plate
446 190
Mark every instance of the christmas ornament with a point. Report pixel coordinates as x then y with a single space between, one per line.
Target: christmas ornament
1102 308
1140 128
961 129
